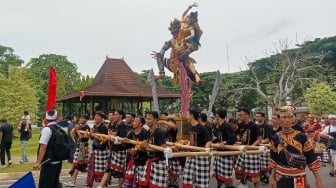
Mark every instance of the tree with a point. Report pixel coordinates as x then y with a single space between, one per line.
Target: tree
201 92
67 76
321 99
8 58
17 94
231 96
277 77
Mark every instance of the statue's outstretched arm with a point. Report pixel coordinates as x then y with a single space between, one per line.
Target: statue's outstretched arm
189 7
159 57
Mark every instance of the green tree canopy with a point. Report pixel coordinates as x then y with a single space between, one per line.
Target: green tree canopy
321 99
17 94
68 76
8 58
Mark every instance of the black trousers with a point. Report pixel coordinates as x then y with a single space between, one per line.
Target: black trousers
5 149
49 175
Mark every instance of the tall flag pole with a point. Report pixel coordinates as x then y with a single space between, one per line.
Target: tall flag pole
52 85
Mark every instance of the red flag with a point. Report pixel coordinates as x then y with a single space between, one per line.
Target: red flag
52 85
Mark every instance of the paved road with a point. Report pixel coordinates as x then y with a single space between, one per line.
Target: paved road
329 182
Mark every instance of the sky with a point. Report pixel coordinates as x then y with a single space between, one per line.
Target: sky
86 31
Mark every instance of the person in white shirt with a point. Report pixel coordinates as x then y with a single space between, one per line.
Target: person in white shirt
329 133
50 168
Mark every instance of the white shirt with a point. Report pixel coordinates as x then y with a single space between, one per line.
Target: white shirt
326 129
46 134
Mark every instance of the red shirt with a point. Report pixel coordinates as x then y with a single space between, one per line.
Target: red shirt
311 128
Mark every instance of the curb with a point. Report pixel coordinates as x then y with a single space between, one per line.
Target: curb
17 175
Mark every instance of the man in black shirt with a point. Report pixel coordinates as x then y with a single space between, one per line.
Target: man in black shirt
248 166
81 155
6 137
223 165
170 128
99 155
199 165
264 157
158 174
137 163
25 131
117 158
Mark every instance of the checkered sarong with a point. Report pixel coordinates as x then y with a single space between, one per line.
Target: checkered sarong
223 169
135 171
264 161
158 174
141 175
118 160
249 165
96 167
100 160
197 168
325 156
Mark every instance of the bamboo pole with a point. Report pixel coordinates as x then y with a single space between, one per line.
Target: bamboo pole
266 145
134 142
229 147
187 146
216 153
236 148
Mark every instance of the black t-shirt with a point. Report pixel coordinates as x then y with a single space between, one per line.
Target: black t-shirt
225 133
264 128
7 132
141 156
112 126
171 135
249 133
199 135
209 127
272 132
121 130
157 137
101 129
25 131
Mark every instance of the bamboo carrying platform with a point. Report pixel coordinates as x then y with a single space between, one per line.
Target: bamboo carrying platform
196 151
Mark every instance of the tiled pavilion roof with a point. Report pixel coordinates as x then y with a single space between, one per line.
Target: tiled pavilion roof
116 79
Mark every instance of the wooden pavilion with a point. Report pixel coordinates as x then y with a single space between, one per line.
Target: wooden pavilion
115 86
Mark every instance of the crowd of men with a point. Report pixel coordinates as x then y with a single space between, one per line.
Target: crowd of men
139 164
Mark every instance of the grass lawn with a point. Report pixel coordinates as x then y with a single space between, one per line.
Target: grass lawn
26 167
31 151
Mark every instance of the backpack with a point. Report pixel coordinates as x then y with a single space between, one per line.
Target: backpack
60 144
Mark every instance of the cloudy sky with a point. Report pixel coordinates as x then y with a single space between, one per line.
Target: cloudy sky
87 30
